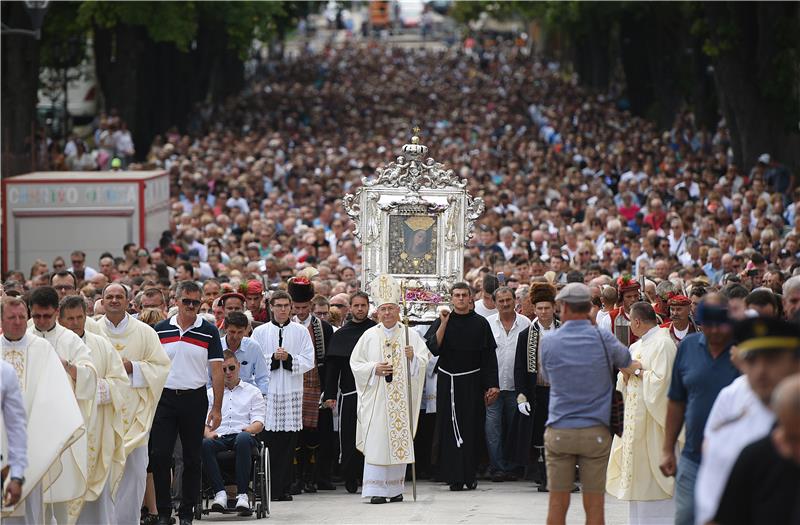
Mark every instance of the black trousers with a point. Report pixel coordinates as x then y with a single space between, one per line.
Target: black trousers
540 413
315 449
281 453
424 445
179 412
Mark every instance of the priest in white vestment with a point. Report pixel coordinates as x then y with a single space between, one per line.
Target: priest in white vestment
382 361
106 429
75 356
633 466
54 419
147 366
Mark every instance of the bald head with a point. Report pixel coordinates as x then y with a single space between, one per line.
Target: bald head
786 406
115 288
786 397
115 301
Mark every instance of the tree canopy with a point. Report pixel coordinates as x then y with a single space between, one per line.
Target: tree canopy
154 60
740 60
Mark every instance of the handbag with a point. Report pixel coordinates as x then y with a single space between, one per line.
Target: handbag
616 420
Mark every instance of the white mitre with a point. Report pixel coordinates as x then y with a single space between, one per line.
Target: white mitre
384 289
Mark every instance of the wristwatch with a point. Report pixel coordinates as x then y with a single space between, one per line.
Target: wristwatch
21 480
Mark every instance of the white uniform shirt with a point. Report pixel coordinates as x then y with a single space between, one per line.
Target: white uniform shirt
14 419
737 419
242 406
507 347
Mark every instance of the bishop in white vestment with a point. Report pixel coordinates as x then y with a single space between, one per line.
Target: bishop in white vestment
633 466
54 419
384 361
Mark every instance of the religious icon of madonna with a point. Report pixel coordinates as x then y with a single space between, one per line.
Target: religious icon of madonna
412 244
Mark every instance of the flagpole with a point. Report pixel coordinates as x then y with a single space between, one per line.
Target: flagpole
408 392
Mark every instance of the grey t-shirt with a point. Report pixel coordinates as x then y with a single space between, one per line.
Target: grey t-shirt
573 362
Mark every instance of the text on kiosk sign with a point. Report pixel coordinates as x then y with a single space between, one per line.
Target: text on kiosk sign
71 195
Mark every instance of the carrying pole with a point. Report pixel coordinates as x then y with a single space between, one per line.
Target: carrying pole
408 393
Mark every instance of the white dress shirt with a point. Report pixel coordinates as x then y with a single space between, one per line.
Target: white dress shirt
507 347
483 311
242 406
14 419
737 419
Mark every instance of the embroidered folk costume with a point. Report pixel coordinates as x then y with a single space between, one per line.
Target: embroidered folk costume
677 335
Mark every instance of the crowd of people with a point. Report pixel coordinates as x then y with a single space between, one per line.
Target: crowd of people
108 146
649 247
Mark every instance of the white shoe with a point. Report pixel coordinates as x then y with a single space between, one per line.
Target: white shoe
242 503
220 501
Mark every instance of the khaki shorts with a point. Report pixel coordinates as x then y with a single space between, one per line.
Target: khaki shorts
586 447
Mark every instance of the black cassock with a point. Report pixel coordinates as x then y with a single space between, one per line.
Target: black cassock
467 367
339 377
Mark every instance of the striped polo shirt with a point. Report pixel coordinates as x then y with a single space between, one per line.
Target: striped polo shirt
190 351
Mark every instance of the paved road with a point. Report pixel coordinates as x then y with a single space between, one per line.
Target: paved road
516 502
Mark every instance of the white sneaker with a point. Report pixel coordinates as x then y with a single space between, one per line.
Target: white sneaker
220 501
242 503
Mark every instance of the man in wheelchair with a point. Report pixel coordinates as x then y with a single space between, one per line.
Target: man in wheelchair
243 412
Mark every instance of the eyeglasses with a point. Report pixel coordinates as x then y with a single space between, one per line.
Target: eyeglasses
64 287
276 306
338 305
322 314
74 262
230 368
193 303
42 316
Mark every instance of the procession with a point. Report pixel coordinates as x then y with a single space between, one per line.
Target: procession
397 277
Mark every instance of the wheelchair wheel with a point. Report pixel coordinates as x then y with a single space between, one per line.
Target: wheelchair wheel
266 485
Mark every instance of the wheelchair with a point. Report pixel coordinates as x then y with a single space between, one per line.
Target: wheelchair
258 491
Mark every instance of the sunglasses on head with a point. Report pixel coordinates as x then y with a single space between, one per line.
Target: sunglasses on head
194 303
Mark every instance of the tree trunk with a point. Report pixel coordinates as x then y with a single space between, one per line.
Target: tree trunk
745 67
20 71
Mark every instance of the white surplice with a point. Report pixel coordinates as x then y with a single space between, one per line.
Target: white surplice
285 391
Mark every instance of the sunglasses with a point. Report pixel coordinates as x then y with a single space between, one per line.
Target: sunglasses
337 305
194 303
230 368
